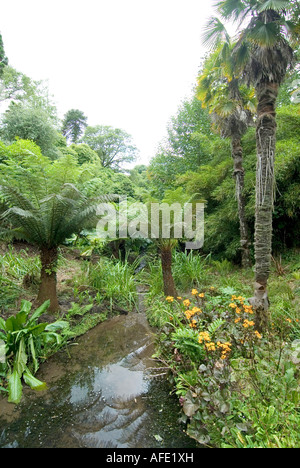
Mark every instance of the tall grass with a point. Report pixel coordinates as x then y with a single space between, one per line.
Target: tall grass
16 269
115 282
189 270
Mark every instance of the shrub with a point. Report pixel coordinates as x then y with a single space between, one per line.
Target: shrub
237 388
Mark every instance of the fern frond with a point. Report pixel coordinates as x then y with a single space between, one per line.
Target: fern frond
215 325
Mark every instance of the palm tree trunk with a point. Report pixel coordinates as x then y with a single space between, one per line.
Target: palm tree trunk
237 155
166 262
265 182
48 286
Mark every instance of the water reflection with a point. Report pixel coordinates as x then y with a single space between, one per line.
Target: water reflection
101 396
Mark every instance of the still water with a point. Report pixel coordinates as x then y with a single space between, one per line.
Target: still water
101 394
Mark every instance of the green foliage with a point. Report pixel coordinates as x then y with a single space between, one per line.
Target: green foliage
29 123
74 124
26 340
113 146
84 153
187 146
3 58
237 388
115 282
189 269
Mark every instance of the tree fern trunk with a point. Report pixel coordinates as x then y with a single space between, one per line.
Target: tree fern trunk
237 155
166 262
48 286
265 182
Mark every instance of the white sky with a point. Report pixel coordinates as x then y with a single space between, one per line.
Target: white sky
124 63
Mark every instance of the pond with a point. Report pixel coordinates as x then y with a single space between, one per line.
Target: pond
101 394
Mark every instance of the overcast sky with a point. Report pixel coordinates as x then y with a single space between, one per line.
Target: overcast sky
124 63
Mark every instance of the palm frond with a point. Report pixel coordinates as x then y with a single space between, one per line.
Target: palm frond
264 34
214 33
236 10
277 5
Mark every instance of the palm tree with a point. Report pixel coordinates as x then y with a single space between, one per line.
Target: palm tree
266 54
231 106
47 223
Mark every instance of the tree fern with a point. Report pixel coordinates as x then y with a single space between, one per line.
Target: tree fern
47 223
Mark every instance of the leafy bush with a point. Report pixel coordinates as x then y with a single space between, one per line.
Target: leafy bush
237 387
26 341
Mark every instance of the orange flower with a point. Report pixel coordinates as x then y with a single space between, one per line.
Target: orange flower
169 298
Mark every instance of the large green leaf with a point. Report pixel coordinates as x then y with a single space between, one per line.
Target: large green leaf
21 358
277 5
58 325
26 306
40 311
33 353
33 382
14 388
264 34
2 324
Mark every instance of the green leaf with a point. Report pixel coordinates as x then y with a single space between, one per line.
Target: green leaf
276 5
58 325
2 324
21 358
21 318
38 313
14 388
33 354
190 407
37 329
32 382
25 306
264 34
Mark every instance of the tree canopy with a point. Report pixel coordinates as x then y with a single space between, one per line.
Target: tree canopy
113 145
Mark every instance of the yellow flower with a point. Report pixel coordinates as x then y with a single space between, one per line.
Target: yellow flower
248 309
237 310
204 336
194 292
170 299
187 303
258 335
193 324
232 305
201 295
248 323
179 298
237 320
188 314
212 288
196 310
210 346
